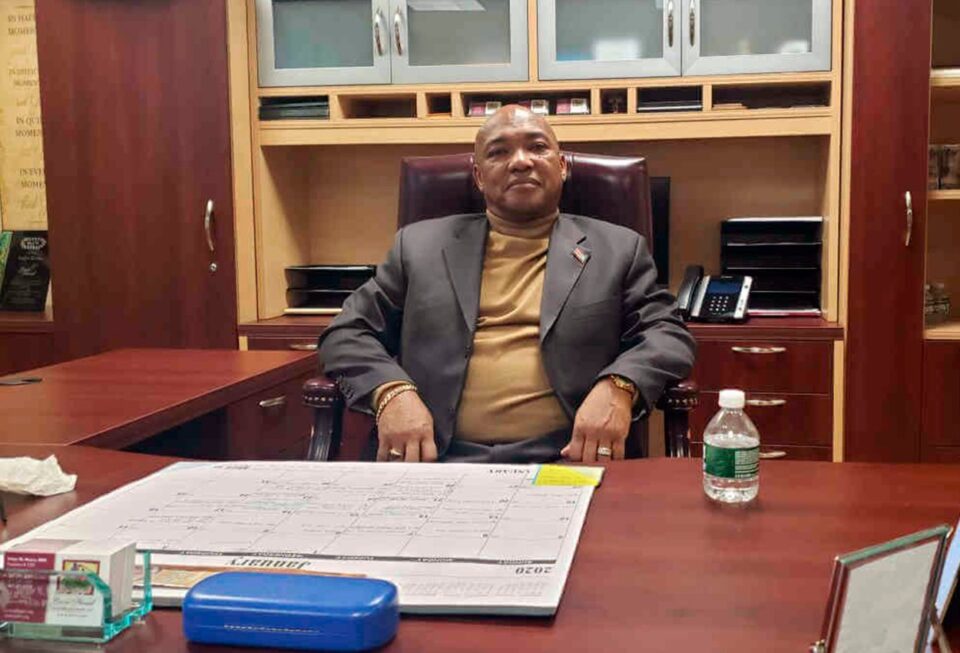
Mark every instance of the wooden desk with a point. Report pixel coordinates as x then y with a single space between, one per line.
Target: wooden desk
659 567
120 398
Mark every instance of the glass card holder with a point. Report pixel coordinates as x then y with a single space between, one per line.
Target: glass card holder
69 606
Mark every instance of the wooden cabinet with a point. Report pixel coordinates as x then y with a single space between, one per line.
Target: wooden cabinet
901 234
788 382
137 147
273 424
26 341
888 182
316 42
627 38
941 402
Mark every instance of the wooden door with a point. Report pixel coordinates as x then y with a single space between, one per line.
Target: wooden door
136 141
891 91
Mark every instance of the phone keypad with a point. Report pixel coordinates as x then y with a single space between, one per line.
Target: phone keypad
718 304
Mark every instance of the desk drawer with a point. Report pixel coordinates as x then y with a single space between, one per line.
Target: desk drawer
765 366
293 343
271 425
784 419
777 453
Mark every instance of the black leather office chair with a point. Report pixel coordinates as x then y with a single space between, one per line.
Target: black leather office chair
611 188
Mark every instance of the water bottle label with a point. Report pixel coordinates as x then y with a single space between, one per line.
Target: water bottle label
731 463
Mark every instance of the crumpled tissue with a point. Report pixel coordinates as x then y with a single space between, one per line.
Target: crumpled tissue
42 478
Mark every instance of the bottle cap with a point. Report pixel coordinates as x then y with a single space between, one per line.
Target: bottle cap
732 399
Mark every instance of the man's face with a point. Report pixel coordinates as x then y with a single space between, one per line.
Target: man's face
518 166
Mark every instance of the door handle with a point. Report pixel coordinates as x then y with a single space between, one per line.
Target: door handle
303 346
208 225
693 22
397 18
275 401
377 21
766 403
909 201
670 23
758 350
768 455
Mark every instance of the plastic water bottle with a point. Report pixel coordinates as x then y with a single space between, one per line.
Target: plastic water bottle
731 452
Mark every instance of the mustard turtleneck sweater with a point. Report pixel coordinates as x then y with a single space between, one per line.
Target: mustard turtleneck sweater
507 396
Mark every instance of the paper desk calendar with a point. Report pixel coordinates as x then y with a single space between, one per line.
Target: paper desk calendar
454 538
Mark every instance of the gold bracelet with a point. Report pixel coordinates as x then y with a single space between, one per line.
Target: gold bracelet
392 394
626 385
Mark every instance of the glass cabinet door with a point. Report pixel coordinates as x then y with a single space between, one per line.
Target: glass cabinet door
319 42
755 36
582 39
458 40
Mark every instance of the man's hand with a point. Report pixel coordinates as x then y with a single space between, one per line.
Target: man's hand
603 421
406 426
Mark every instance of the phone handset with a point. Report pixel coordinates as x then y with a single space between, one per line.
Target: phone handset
691 280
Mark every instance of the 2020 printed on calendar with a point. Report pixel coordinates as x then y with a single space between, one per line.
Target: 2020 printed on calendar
454 538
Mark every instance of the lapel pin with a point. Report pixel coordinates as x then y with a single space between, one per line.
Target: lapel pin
580 255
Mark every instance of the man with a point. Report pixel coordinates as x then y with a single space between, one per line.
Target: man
521 335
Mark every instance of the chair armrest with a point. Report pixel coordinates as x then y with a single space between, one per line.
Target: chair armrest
322 394
676 403
684 395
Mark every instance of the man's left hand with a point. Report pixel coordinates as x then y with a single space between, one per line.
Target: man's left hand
602 423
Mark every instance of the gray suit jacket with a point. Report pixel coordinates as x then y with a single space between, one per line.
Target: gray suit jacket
600 314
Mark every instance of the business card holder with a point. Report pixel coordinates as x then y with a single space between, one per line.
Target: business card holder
68 606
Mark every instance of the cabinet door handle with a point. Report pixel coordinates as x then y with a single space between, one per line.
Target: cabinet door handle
693 22
377 21
208 225
766 403
274 402
397 18
670 23
766 455
909 201
758 350
303 346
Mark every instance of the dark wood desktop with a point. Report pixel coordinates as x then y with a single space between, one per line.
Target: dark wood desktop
659 567
223 403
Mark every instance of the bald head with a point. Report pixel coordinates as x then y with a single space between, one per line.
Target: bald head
518 166
513 115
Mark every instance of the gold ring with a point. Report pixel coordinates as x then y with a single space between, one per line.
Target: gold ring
604 451
394 454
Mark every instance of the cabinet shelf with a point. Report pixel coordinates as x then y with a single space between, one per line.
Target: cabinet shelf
676 126
945 85
945 78
947 331
944 195
24 322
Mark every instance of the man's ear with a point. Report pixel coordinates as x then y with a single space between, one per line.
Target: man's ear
477 179
564 171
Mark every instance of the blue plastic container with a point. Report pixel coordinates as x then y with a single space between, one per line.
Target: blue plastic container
297 611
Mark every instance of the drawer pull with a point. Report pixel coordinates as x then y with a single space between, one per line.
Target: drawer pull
768 455
758 350
303 346
766 403
271 403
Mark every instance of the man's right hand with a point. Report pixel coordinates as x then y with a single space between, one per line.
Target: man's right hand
406 426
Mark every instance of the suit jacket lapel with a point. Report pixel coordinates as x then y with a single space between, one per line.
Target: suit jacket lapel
463 256
566 259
